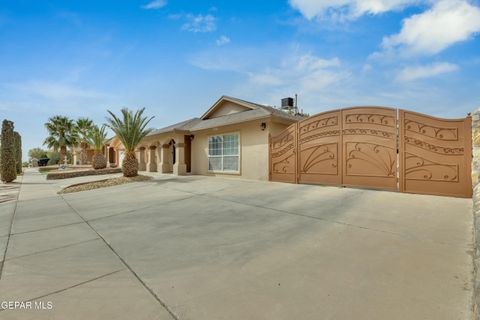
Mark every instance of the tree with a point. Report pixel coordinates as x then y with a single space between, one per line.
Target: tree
61 134
8 171
97 139
36 153
84 127
130 129
18 151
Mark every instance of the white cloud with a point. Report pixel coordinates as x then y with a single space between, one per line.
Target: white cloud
348 9
54 90
420 72
155 4
200 23
430 32
223 40
293 71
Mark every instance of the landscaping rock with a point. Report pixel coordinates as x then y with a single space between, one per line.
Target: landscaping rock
81 173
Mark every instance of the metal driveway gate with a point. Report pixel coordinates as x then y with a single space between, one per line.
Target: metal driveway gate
375 147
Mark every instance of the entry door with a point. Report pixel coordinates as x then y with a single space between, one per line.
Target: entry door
370 147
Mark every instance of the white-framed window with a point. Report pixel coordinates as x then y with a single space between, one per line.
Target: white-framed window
224 153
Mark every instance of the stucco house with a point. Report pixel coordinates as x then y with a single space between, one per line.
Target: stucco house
230 138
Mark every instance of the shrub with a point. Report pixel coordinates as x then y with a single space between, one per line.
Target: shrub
8 170
54 157
36 153
18 151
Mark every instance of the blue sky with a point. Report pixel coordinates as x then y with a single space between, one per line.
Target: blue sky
176 58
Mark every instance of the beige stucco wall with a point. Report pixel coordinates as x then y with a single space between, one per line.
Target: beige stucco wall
227 108
277 128
253 150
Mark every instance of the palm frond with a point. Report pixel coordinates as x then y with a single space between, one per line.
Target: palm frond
131 128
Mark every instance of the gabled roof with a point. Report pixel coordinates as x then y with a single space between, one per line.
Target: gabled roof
217 104
257 111
180 126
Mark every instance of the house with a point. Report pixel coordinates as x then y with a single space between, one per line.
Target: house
230 138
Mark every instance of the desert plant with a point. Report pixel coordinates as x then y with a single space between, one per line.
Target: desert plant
8 170
54 157
131 128
84 127
18 151
97 139
36 153
61 134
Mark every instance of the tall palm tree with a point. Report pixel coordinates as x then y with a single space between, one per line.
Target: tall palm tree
131 129
61 134
97 139
84 128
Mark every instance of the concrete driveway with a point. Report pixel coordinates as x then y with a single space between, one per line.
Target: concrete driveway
218 248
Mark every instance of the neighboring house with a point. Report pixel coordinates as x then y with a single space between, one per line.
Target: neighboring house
88 155
230 138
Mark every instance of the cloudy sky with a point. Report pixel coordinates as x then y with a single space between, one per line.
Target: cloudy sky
176 57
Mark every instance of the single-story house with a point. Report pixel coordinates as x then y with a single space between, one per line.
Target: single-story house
230 138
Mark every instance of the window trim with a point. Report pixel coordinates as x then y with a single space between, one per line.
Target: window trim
222 155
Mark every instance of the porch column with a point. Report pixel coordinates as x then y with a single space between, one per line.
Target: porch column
179 168
152 162
165 164
107 149
141 159
158 156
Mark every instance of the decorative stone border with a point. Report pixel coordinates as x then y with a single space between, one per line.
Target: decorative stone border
81 173
476 211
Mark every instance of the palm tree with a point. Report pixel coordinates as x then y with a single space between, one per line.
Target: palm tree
97 139
130 130
61 134
84 127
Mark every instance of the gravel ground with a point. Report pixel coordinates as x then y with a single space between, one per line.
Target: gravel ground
103 183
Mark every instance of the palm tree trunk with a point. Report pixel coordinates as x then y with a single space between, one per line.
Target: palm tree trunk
63 154
99 161
130 165
83 154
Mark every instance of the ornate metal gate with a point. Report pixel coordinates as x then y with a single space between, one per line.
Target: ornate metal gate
283 159
435 155
320 148
375 147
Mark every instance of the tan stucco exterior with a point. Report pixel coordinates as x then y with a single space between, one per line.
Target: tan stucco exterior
227 108
253 150
190 147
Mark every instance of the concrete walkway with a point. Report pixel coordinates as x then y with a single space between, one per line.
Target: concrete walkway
217 248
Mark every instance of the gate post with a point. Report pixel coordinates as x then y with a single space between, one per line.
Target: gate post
401 150
269 157
297 154
469 152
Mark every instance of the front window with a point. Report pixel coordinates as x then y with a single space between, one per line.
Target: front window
224 153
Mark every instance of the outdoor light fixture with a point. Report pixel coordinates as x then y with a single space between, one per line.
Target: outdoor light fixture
263 126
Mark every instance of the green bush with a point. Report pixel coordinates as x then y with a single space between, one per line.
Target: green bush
8 170
54 157
18 151
36 153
